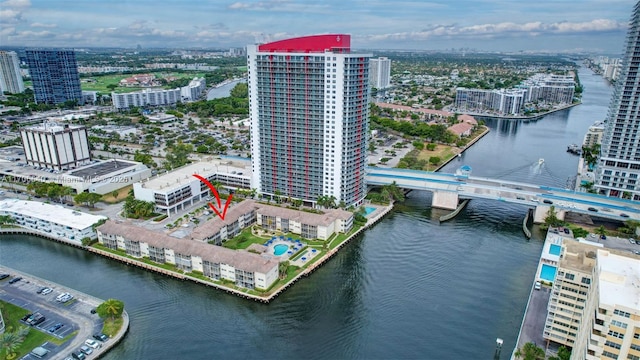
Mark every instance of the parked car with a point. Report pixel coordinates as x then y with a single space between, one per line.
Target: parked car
603 237
46 291
624 215
632 242
78 355
64 297
36 319
4 276
15 280
92 343
85 349
101 337
56 327
537 285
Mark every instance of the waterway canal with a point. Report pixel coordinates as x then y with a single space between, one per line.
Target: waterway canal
408 288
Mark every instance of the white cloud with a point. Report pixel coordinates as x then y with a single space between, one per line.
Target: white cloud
260 5
16 3
42 25
505 29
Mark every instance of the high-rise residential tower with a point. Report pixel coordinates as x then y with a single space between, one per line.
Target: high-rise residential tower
309 106
10 77
380 72
54 74
618 171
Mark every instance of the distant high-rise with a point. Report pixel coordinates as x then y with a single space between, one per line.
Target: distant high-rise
10 77
380 74
309 107
54 74
618 171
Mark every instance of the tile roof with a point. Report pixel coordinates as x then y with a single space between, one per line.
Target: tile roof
239 259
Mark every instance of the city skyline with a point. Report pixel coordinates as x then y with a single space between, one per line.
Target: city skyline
489 25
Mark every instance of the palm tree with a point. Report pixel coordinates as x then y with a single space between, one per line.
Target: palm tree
10 342
601 231
282 269
111 308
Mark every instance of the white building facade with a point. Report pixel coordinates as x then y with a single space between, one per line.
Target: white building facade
54 220
10 76
309 108
178 189
380 73
245 269
618 169
54 146
146 97
194 90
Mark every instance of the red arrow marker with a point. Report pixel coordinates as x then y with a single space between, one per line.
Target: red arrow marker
215 193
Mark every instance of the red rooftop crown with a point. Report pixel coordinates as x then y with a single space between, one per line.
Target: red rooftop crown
313 43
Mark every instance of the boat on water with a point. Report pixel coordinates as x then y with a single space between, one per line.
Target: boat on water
540 161
574 149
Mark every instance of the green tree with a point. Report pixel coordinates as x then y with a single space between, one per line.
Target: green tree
282 269
563 354
111 308
552 218
6 219
601 231
115 194
86 241
532 352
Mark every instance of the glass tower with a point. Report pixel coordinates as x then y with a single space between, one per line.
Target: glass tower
618 168
54 74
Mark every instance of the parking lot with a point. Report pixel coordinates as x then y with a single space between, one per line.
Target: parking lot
61 319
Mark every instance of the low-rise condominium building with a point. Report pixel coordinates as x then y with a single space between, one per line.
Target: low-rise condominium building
54 220
245 269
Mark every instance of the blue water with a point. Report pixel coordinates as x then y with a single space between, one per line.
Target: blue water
548 272
280 249
368 210
554 249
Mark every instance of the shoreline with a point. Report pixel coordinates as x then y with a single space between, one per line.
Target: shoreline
378 214
482 116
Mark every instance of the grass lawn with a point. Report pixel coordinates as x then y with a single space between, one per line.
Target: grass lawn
103 81
243 240
444 152
111 327
12 315
122 194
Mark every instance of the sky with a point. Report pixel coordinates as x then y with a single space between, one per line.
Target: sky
485 25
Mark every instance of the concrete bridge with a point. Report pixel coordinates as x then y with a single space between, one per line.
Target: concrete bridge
449 189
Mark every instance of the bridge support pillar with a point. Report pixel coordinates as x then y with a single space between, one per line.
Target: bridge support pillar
445 200
542 211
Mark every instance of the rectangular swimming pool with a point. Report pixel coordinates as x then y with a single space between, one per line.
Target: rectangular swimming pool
555 249
548 272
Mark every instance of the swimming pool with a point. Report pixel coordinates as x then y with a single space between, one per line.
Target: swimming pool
368 210
280 249
548 272
555 249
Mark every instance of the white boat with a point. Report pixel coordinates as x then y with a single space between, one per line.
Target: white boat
540 161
